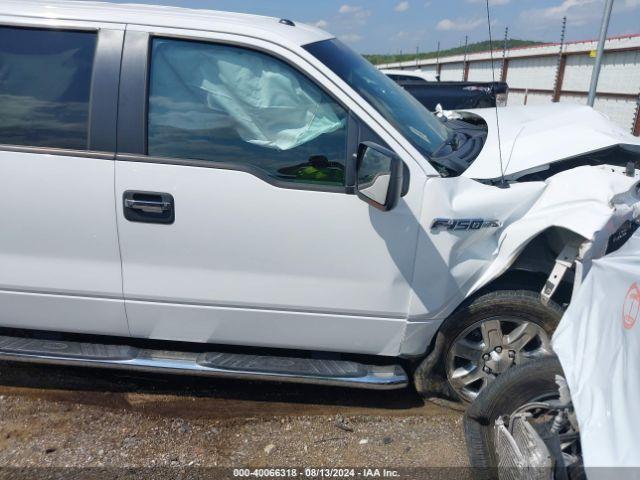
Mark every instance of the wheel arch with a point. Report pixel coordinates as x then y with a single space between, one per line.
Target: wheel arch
533 265
529 271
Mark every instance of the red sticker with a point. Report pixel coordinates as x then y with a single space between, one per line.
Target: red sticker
631 309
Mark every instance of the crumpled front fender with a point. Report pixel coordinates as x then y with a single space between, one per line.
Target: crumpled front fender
452 264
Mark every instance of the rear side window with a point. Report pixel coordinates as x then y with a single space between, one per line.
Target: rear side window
227 104
45 83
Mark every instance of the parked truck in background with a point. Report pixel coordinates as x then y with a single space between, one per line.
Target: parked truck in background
431 91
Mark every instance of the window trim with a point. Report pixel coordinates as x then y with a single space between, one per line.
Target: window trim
61 152
134 106
103 90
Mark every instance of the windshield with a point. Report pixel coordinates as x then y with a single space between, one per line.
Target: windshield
422 128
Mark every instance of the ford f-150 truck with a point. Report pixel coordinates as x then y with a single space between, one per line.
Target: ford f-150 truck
430 91
206 193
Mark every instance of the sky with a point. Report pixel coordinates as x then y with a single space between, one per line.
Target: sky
391 26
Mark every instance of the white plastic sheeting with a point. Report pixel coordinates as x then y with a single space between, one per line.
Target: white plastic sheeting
268 103
598 343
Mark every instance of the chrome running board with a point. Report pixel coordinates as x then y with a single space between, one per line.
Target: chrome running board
209 364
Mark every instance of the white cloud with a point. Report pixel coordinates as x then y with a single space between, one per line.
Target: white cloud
351 37
348 9
565 6
569 5
459 24
402 7
321 24
578 13
357 12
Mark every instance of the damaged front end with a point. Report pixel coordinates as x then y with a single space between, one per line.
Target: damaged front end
553 229
536 236
578 254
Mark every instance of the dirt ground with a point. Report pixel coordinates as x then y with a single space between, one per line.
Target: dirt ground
68 417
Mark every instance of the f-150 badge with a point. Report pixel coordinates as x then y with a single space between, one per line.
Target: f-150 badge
464 224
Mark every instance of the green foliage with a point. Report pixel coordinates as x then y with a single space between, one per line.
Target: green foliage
471 48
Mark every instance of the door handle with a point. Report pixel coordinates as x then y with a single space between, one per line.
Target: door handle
148 207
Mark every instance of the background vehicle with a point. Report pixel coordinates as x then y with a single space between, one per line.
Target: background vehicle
259 199
430 91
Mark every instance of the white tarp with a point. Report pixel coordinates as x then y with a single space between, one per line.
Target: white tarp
598 343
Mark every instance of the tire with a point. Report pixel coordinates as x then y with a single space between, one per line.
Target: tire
493 332
518 386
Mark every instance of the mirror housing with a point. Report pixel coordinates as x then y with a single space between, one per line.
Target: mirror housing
379 176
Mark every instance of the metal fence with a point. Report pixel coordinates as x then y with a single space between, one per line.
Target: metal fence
555 73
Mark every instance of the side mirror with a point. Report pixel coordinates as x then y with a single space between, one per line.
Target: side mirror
379 176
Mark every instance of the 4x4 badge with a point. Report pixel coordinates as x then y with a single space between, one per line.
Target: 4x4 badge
464 224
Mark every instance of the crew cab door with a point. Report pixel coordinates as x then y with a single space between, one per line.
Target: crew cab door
236 222
59 257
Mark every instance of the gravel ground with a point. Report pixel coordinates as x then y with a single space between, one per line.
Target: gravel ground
67 417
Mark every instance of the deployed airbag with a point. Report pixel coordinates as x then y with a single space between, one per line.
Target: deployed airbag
268 103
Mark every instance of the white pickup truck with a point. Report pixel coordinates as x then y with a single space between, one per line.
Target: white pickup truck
195 192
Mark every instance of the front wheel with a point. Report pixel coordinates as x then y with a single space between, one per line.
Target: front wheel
491 334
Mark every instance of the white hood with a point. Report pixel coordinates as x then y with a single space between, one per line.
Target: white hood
533 137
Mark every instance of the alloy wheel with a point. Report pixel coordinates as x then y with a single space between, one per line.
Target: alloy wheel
490 347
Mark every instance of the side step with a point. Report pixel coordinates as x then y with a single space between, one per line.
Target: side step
210 364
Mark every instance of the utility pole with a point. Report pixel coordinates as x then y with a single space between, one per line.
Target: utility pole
635 128
503 73
464 62
417 56
438 61
561 64
595 76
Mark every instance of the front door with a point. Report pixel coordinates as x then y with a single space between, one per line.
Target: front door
236 226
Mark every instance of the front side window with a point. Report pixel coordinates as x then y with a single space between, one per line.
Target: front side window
45 83
228 104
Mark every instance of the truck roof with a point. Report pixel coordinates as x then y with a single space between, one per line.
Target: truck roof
268 28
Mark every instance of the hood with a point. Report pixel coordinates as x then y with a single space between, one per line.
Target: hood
535 137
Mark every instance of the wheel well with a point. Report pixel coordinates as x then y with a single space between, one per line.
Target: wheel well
530 272
533 266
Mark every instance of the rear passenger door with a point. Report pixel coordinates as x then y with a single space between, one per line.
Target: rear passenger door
59 257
